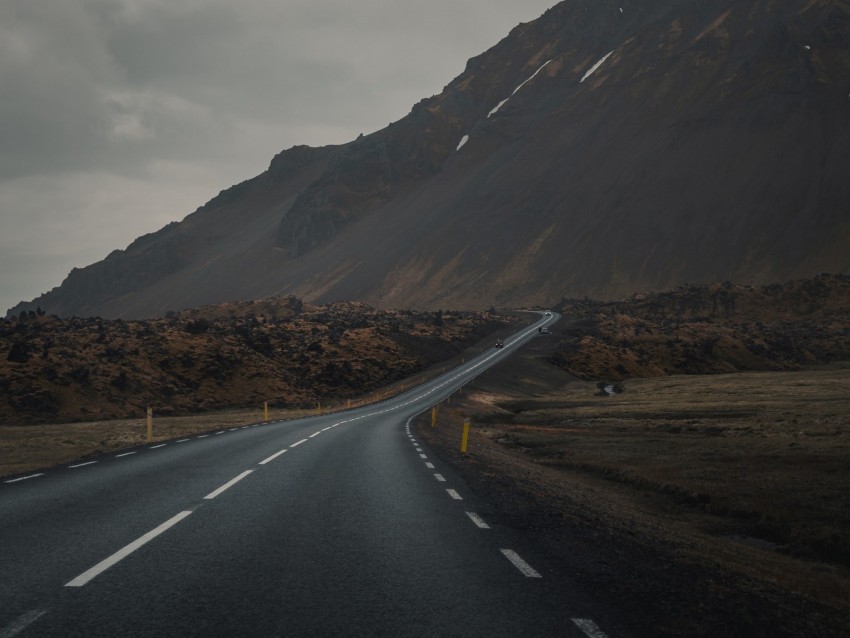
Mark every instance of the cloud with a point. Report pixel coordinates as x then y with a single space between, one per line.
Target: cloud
106 102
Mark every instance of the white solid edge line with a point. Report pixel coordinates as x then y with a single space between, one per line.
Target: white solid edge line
454 495
227 485
297 443
526 569
590 628
477 520
24 478
272 457
21 622
125 551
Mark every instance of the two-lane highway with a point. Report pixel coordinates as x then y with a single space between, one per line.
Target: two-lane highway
335 525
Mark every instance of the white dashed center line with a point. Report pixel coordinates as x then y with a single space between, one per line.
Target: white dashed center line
81 464
118 456
440 478
297 443
153 447
227 485
122 553
454 495
272 457
590 628
526 569
430 466
477 520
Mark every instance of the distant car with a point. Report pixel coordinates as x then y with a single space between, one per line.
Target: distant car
545 331
548 314
499 344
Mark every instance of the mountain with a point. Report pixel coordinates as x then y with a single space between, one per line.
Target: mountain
603 149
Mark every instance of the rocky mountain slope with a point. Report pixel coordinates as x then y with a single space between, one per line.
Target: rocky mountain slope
233 355
602 149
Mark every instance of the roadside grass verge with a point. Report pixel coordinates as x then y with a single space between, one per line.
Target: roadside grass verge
748 470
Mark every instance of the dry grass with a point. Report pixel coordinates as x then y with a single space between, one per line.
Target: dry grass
748 471
34 447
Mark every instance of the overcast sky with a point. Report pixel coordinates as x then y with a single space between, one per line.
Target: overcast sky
119 116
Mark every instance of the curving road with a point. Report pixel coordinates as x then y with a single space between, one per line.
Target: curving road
338 525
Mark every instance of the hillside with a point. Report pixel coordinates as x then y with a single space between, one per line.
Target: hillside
239 354
709 329
602 149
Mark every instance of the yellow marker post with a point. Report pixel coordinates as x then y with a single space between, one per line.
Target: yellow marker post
265 411
150 424
465 438
319 408
434 417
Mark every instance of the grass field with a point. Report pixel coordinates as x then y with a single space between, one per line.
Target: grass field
750 471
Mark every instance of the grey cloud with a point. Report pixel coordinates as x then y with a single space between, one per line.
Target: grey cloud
106 103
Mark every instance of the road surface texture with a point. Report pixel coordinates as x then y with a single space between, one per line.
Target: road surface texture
336 525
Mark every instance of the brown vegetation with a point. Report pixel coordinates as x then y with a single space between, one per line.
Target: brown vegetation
708 329
219 357
735 483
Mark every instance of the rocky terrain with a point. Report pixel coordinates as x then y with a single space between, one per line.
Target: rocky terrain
602 149
709 329
240 354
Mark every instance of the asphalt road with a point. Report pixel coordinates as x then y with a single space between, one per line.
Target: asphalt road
338 525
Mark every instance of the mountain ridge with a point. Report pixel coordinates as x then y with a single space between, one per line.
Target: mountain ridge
610 148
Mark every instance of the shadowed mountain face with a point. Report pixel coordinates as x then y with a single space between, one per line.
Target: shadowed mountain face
604 149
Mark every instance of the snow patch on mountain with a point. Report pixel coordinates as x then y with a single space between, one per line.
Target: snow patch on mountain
593 69
529 79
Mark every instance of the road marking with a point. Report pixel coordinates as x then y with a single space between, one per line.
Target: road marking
440 478
314 434
430 466
202 436
520 564
423 456
118 456
24 478
272 457
327 428
153 447
222 432
297 443
125 551
454 495
227 485
181 441
21 622
81 464
477 520
589 627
